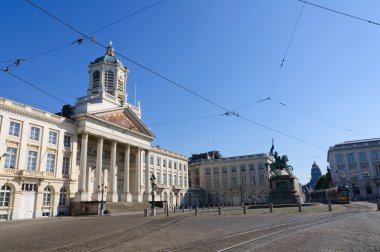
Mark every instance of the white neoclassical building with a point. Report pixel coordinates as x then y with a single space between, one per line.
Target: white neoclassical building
229 180
97 149
356 164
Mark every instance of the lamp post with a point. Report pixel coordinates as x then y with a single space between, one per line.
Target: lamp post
153 184
241 194
102 187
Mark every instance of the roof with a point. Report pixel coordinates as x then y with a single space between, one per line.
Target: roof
108 59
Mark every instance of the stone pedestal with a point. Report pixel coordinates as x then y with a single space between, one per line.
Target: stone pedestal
284 189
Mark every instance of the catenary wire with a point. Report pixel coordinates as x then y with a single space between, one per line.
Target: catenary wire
91 33
286 51
228 112
185 120
339 12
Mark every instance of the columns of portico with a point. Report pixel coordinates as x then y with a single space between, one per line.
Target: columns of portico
126 196
112 195
82 194
147 195
97 195
137 195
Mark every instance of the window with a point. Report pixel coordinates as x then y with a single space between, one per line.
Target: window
261 166
251 167
175 165
32 160
233 181
225 182
375 155
354 174
365 171
377 168
350 157
261 179
151 160
10 157
50 161
95 79
184 181
46 200
65 165
14 129
34 133
207 171
170 179
362 156
67 141
208 183
175 180
339 158
184 167
158 161
342 174
224 169
62 197
180 166
158 177
253 180
164 178
164 162
216 170
5 192
233 169
170 164
108 79
242 168
243 180
120 87
53 137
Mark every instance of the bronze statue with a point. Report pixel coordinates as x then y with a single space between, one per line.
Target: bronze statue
280 163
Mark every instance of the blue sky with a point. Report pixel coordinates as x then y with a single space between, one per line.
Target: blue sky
227 51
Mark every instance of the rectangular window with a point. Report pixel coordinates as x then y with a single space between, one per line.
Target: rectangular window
10 158
151 160
180 166
170 179
242 168
207 171
216 170
50 161
65 165
261 179
225 182
53 137
175 165
32 160
158 177
377 169
185 181
233 181
251 167
184 167
365 170
339 158
233 169
375 155
224 169
362 156
164 162
350 157
164 178
252 180
170 164
34 133
14 129
261 166
158 161
67 141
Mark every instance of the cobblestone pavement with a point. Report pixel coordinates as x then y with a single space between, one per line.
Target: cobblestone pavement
354 227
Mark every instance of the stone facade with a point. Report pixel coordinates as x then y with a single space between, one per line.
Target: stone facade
97 150
232 180
356 164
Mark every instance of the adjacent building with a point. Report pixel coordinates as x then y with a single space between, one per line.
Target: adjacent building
315 174
214 179
356 164
98 149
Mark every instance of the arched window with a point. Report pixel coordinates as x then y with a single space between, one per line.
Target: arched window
46 201
95 79
5 192
108 80
62 197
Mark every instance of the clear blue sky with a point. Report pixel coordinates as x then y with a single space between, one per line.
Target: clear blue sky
227 51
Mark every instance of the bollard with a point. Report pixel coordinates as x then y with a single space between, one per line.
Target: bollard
174 210
145 212
219 210
271 207
330 208
208 206
299 207
245 209
196 211
153 212
203 207
190 208
183 209
378 205
167 211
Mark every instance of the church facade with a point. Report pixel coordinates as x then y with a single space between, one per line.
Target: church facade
99 149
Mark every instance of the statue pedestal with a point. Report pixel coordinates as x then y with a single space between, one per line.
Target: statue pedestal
284 189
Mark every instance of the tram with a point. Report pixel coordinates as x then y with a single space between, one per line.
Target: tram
336 195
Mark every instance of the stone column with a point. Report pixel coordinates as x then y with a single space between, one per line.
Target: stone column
212 178
147 176
138 195
126 197
99 169
82 194
112 195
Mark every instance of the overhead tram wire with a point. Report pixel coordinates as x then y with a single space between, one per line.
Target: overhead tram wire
339 12
228 112
185 120
131 60
34 86
80 40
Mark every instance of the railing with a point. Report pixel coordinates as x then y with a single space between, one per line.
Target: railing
26 173
9 171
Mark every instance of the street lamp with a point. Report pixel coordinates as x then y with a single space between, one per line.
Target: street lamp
153 184
102 188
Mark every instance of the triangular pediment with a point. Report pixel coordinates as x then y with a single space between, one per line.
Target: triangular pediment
126 118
